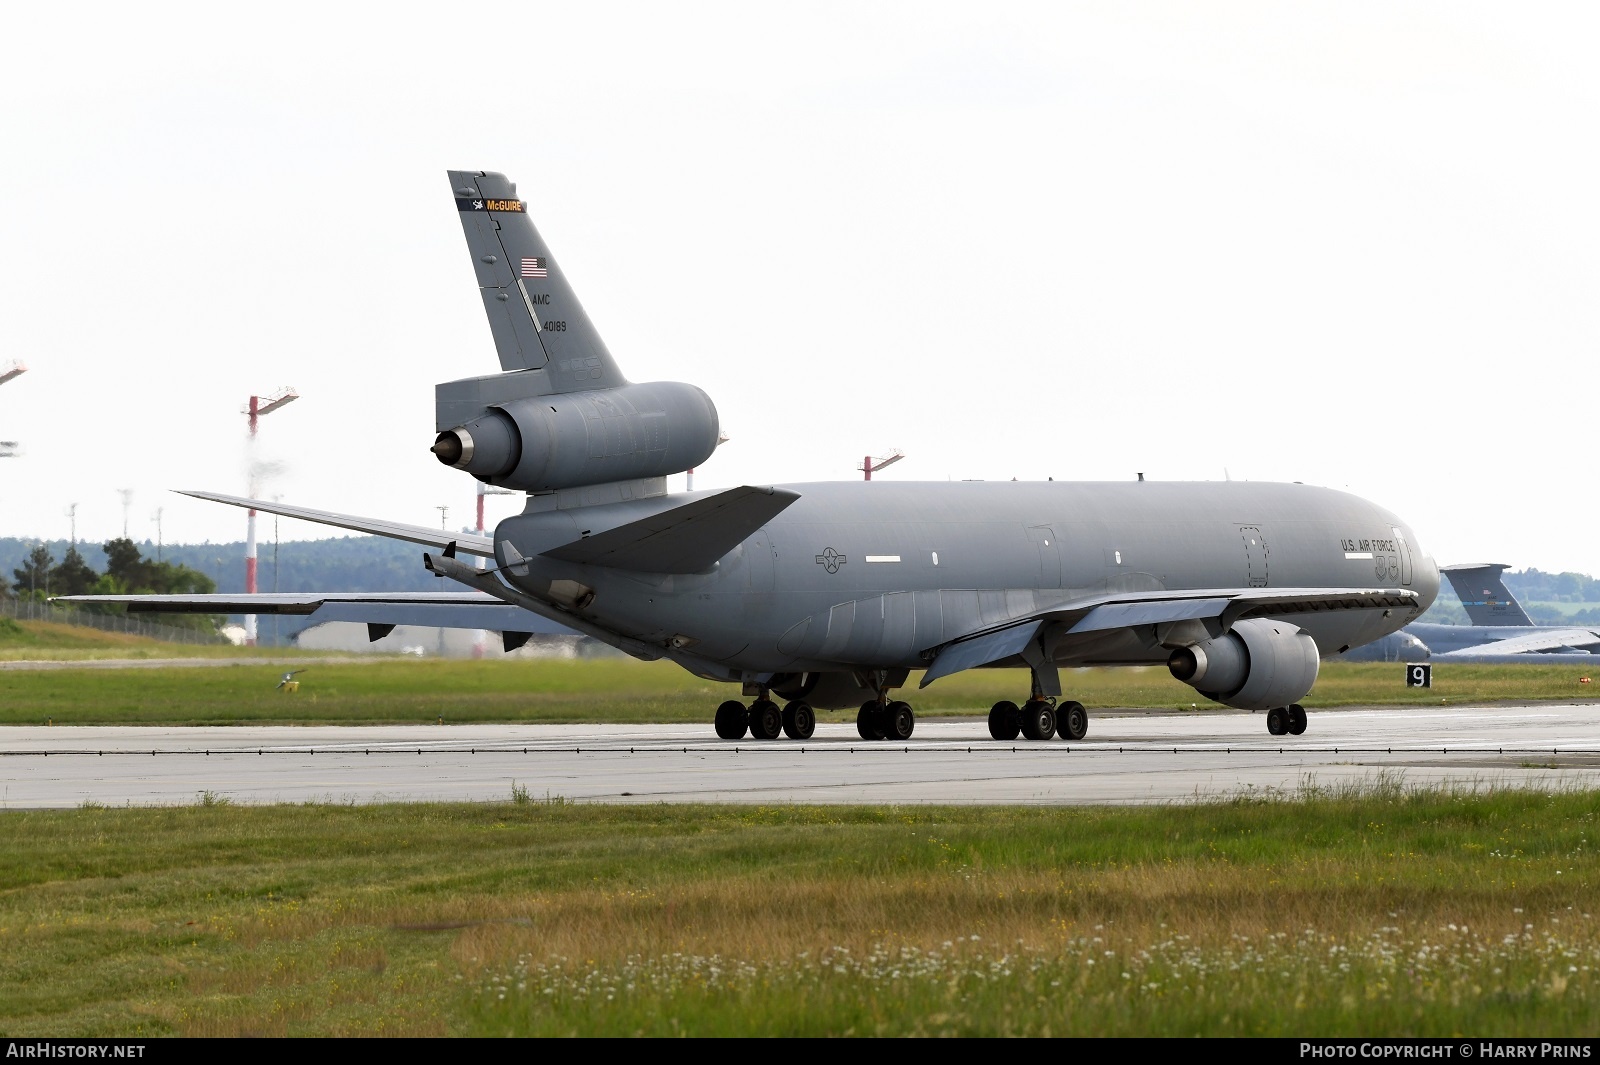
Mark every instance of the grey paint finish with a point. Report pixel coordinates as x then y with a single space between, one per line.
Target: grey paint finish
865 581
1483 593
832 604
535 317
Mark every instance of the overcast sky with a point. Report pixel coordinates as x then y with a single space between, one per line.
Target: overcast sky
1355 245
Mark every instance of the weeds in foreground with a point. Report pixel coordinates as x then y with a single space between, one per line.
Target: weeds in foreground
1325 911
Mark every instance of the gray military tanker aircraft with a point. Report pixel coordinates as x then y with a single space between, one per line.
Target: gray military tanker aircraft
830 595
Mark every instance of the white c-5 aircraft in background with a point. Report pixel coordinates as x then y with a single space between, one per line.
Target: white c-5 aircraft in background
1501 630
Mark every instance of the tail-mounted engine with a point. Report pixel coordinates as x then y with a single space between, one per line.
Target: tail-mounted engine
1257 665
543 443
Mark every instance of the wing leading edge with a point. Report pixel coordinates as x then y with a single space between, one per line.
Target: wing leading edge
1224 606
468 543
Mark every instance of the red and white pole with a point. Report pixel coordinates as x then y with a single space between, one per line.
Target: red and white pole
250 534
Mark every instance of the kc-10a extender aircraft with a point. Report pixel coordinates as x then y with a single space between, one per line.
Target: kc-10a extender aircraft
830 595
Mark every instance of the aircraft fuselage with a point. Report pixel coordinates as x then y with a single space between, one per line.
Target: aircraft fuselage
858 574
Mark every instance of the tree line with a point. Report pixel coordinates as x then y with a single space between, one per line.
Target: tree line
127 572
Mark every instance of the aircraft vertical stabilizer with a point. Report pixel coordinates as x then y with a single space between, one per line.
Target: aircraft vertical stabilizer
1485 595
537 321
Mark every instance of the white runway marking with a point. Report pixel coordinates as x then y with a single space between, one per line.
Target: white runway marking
1140 757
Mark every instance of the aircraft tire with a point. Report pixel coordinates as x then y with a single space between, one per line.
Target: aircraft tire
1277 721
733 720
766 720
1072 721
1003 724
1297 719
1037 719
901 721
869 722
799 720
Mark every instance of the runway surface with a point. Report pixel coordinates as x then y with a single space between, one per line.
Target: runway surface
1131 758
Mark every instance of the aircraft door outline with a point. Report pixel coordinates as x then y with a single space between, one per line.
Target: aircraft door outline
1044 538
1403 549
1256 556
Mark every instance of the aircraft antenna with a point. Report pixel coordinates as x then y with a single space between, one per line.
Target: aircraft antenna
870 465
256 409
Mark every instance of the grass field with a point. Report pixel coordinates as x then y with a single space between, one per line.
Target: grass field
390 690
24 640
1379 913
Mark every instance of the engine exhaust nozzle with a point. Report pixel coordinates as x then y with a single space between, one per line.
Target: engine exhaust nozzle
454 447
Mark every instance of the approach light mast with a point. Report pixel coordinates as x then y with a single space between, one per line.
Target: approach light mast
258 407
870 465
9 371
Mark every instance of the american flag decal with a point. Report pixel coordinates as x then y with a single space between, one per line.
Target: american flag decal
535 268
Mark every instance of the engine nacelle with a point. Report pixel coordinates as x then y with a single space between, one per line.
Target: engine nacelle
542 443
1258 665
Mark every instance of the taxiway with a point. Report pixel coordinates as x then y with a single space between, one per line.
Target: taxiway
1131 758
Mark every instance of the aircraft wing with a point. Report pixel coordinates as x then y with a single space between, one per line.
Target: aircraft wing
468 543
994 643
1533 644
379 611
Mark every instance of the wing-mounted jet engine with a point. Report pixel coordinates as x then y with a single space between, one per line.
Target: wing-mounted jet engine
561 415
1259 664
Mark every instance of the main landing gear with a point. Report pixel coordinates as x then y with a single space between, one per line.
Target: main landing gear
1040 717
1289 719
764 720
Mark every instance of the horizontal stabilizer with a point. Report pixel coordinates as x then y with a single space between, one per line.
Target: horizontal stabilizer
447 610
466 543
686 539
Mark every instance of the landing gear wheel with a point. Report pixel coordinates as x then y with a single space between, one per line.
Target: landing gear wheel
1072 721
732 720
901 721
1297 719
869 721
1277 721
1037 719
1003 723
766 720
799 720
